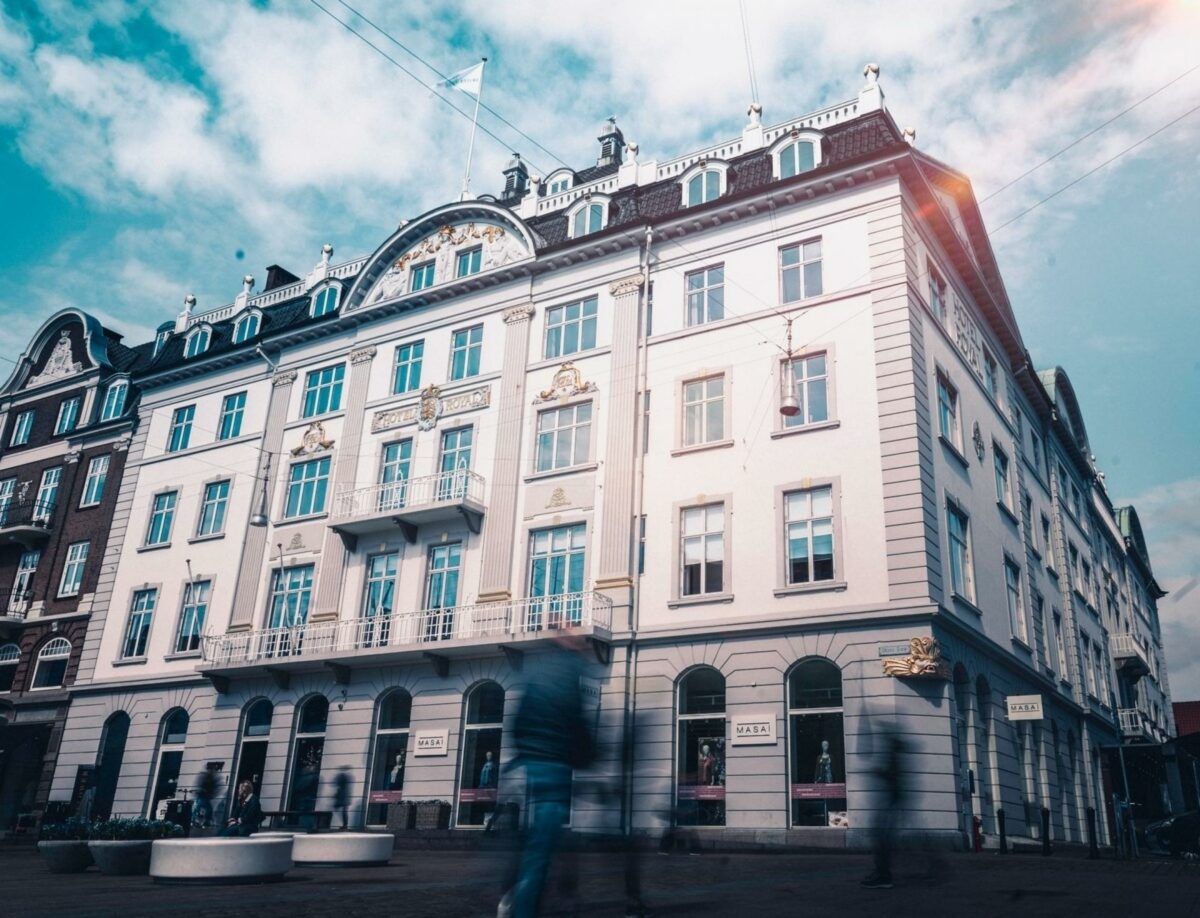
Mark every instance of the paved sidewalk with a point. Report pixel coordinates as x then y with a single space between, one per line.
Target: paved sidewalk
449 884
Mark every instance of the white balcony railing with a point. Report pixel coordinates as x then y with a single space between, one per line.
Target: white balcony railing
1129 654
483 621
411 494
1132 722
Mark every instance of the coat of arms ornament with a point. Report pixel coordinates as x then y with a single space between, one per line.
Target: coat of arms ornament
924 661
60 363
568 381
430 409
313 441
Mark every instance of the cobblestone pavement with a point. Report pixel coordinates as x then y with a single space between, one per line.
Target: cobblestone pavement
448 884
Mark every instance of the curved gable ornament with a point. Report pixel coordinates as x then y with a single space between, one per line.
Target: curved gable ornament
62 363
567 382
442 247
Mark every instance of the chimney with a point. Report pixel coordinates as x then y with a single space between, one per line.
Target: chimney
612 143
516 178
278 277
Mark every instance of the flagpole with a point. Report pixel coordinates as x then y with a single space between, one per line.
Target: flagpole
466 189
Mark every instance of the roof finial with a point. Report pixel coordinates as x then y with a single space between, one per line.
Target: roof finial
326 254
185 315
870 97
910 136
871 72
754 112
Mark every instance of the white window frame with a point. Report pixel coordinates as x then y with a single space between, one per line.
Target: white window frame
586 202
213 511
233 411
114 400
22 428
804 250
468 348
570 443
49 484
319 387
474 261
27 565
945 387
796 135
802 388
170 503
94 482
411 364
68 415
62 651
1002 469
967 591
71 581
991 374
699 171
179 434
703 538
811 520
313 490
564 179
1014 592
142 606
704 434
703 296
193 611
420 270
196 342
320 303
939 293
584 324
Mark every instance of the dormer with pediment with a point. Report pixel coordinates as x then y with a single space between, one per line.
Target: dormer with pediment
447 246
70 346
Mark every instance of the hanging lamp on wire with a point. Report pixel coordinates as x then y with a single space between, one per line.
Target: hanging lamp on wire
261 517
789 405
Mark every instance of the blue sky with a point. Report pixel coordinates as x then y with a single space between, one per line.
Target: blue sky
152 150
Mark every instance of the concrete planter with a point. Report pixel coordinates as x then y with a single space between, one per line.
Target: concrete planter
342 849
201 861
66 856
121 858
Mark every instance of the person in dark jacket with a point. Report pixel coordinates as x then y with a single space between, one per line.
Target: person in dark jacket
246 816
341 795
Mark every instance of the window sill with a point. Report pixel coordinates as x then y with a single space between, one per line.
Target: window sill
92 506
954 451
702 600
74 595
546 363
1051 571
554 473
307 518
805 428
1020 642
1007 511
963 602
304 420
1063 683
211 537
700 447
184 655
820 586
156 547
1037 552
130 661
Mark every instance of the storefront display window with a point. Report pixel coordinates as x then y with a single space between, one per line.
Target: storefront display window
307 754
256 730
482 732
700 779
818 752
391 755
171 742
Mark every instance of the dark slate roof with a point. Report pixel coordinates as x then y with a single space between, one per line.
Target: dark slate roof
125 359
590 174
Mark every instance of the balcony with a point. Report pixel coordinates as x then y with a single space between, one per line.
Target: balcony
1136 726
1130 657
26 523
14 608
408 504
437 635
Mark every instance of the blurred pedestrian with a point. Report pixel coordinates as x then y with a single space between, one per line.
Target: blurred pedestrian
889 773
341 795
206 790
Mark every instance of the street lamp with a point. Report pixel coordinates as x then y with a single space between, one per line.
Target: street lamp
789 405
260 518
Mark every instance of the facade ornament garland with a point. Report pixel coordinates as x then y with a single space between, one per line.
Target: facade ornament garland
924 661
499 247
977 439
567 382
72 456
518 313
283 378
626 285
122 442
61 363
314 440
363 354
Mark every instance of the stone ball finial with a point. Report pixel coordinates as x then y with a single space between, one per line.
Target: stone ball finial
248 281
871 72
910 135
633 148
754 113
190 300
327 249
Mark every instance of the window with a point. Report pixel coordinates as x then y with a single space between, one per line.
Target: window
571 328
556 576
1035 451
559 185
468 262
10 656
1032 530
394 713
325 302
163 336
588 219
379 598
465 350
441 590
212 508
196 342
937 295
137 629
308 749
181 428
233 408
393 474
948 425
172 740
482 734
1039 616
93 484
22 427
703 187
8 490
454 463
191 619
1003 482
307 484
1016 606
808 534
114 400
700 763
706 295
962 576
22 589
323 390
68 415
1047 542
1060 647
407 375
704 411
52 661
563 437
991 374
796 158
72 575
421 276
162 517
256 730
800 270
1085 583
291 592
1088 672
1073 564
810 383
817 748
47 495
702 550
246 327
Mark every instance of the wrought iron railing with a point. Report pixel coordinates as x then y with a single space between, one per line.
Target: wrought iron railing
27 513
411 493
15 602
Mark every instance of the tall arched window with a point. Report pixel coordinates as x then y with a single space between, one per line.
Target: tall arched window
962 706
483 730
52 661
109 758
796 158
818 748
246 327
325 302
256 733
700 770
172 738
392 716
307 751
10 656
983 742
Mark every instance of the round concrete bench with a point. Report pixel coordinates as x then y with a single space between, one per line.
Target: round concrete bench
220 860
342 849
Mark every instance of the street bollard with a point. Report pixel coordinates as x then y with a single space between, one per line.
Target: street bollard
1093 850
1045 832
1003 833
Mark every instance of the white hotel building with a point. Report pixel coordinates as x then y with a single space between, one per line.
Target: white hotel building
357 505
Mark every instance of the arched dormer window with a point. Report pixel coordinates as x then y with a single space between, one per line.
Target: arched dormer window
114 400
162 337
325 302
799 151
246 327
703 183
196 342
588 217
558 182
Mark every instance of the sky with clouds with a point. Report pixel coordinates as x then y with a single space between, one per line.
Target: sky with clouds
149 150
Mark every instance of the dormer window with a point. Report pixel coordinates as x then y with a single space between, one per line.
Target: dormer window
197 342
800 151
246 327
703 183
161 339
589 217
114 400
325 302
68 415
558 183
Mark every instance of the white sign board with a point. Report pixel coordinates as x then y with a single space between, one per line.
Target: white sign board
432 742
754 730
1025 707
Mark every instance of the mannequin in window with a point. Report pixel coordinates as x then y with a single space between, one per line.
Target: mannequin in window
487 774
396 775
824 771
706 766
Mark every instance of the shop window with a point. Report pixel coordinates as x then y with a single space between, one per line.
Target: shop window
109 758
172 738
482 733
818 751
307 751
256 733
700 775
392 717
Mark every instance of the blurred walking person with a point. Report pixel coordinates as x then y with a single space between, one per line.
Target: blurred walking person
206 790
889 773
341 795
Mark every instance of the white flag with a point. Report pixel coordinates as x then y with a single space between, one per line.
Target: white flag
468 81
